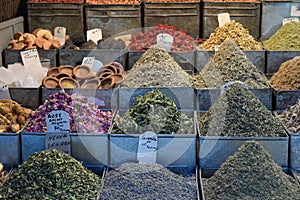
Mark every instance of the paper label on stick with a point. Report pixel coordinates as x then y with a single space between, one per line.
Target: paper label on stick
223 18
31 58
147 148
88 61
59 141
4 92
60 34
291 19
295 10
94 34
58 121
165 40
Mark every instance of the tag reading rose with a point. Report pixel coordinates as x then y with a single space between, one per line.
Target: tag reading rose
58 121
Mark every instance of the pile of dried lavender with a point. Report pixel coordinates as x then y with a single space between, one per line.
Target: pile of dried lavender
251 173
231 31
238 112
153 112
287 38
143 181
288 75
229 63
156 68
291 118
50 174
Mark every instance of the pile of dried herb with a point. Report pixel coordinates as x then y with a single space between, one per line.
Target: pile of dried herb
228 64
156 68
251 173
231 31
50 174
238 112
291 118
153 112
287 38
143 181
288 75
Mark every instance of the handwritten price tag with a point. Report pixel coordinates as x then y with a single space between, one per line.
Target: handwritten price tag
59 141
223 18
60 34
226 85
295 10
147 148
95 35
31 58
88 61
58 121
4 92
291 19
165 40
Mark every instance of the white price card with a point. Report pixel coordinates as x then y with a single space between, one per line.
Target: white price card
59 141
223 18
60 34
88 61
4 92
291 19
147 148
31 58
94 34
165 40
58 121
295 10
226 85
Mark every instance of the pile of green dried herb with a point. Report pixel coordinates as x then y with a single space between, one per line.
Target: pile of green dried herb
251 173
228 64
238 112
153 112
156 68
50 174
231 31
288 75
287 38
291 118
144 181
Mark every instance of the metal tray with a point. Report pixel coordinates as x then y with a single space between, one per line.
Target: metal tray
208 96
285 98
26 97
10 149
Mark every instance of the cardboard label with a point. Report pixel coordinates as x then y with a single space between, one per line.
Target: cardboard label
165 40
295 10
223 18
94 34
226 85
60 34
58 121
291 19
147 148
88 61
59 141
4 92
31 58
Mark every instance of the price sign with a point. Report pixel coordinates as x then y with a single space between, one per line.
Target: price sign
59 141
226 85
295 10
88 61
223 18
95 35
147 148
58 121
291 19
165 40
31 58
60 34
4 92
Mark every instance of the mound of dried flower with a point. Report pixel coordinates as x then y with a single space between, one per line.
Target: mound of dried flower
50 174
156 68
251 173
291 118
228 64
85 117
147 181
238 112
153 112
231 31
288 75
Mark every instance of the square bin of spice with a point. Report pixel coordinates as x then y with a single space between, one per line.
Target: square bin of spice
27 97
285 98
